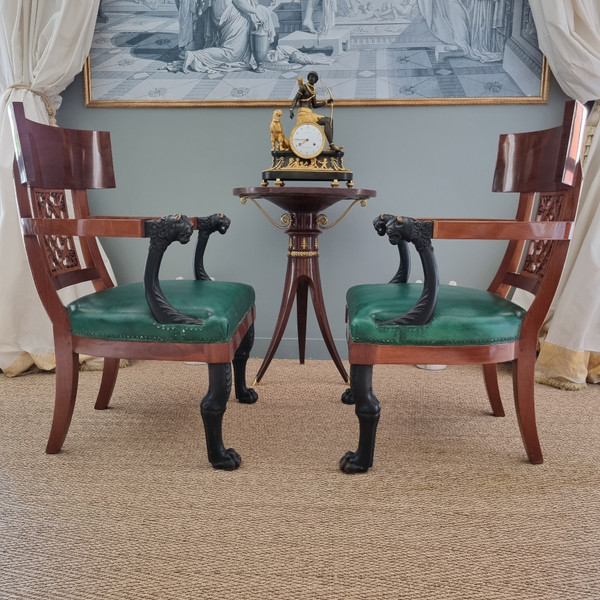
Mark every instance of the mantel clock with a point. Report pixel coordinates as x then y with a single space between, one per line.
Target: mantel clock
309 154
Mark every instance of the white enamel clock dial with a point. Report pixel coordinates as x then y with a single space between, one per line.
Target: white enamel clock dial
307 140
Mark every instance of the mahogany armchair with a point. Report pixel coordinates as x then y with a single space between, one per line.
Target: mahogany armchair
188 320
409 323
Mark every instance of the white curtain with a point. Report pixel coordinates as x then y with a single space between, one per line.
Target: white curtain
43 45
569 36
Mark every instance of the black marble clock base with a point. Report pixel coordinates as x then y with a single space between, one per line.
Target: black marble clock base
327 166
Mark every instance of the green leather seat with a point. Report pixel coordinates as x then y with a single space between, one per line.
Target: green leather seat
463 316
122 313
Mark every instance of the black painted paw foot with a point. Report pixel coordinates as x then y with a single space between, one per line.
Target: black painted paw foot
248 396
228 461
347 397
352 463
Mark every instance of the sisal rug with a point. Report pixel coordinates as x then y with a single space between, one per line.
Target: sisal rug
451 510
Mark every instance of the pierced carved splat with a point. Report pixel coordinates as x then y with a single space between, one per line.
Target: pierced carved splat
539 251
61 252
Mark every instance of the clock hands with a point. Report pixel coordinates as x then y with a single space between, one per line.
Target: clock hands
304 141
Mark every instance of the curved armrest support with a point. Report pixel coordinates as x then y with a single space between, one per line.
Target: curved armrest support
419 233
401 276
162 232
206 227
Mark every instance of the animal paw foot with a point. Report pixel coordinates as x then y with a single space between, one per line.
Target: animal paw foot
228 461
248 396
351 463
347 397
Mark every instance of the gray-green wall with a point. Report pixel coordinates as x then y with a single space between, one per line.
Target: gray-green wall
422 161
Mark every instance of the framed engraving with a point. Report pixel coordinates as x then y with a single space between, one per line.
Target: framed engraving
174 53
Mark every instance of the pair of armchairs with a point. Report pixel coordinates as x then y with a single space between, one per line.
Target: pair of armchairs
212 321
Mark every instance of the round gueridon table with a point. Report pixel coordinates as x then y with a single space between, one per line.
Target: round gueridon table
303 222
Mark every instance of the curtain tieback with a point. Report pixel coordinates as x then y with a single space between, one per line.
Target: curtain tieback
49 108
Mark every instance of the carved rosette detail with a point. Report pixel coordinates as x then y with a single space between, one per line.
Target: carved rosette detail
539 252
61 252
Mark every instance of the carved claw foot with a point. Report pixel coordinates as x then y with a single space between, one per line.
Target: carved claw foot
228 460
347 397
352 463
247 396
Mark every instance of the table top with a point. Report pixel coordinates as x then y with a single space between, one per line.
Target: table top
304 199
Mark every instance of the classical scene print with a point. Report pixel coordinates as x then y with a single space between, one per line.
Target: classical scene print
252 52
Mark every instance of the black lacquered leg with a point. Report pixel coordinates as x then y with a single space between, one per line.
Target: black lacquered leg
243 393
367 410
212 408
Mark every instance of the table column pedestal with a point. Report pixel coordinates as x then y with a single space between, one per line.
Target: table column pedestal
303 224
301 276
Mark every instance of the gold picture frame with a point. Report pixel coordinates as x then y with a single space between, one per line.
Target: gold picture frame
386 54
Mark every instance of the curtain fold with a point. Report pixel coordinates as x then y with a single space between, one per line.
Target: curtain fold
43 45
569 36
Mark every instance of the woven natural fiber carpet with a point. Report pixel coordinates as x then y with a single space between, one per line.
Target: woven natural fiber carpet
451 510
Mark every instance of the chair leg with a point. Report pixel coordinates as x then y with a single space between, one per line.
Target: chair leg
107 385
367 410
523 386
490 376
243 393
213 407
67 377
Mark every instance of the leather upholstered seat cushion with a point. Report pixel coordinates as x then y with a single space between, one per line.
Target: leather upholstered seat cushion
122 313
462 317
